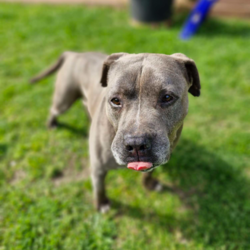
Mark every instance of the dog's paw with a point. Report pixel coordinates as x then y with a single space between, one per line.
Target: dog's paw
104 208
153 184
158 187
52 124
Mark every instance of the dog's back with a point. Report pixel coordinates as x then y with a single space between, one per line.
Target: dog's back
78 77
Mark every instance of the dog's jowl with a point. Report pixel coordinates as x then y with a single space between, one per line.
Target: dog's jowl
137 104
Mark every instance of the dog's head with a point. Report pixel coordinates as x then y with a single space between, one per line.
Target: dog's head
146 102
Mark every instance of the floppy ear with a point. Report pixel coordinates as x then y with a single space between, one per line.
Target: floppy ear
191 74
106 65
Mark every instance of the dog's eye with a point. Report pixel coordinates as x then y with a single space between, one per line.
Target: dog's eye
116 102
167 98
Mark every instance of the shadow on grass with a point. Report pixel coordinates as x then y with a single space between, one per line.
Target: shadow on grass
217 194
84 131
3 150
214 192
215 27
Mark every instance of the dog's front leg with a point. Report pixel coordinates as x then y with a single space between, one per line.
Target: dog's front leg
150 182
100 198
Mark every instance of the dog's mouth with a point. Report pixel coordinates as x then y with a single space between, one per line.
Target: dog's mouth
141 166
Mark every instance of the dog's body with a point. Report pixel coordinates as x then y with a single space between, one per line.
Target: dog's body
137 104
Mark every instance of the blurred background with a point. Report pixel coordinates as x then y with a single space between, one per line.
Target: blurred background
45 189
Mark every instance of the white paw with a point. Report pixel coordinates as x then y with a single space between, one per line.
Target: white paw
158 187
104 208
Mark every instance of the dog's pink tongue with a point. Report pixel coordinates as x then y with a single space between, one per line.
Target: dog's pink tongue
138 166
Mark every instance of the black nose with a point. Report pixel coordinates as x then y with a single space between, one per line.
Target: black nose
137 145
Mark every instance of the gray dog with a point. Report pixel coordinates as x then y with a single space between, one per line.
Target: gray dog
137 103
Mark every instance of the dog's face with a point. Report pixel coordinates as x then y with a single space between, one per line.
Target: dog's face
146 102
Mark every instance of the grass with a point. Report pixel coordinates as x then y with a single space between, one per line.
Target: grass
45 191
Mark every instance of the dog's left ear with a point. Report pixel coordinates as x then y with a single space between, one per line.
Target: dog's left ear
106 65
191 74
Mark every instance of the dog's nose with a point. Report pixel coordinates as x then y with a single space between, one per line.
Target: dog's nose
137 145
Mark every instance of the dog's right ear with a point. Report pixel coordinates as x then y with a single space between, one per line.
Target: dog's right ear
106 65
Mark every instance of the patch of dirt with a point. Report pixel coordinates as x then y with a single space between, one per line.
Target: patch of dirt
70 174
87 2
180 238
18 176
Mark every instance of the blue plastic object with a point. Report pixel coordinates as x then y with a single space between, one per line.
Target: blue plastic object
196 18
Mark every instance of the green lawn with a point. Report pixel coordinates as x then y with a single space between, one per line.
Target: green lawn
45 190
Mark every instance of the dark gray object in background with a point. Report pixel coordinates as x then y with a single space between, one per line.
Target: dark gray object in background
151 10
